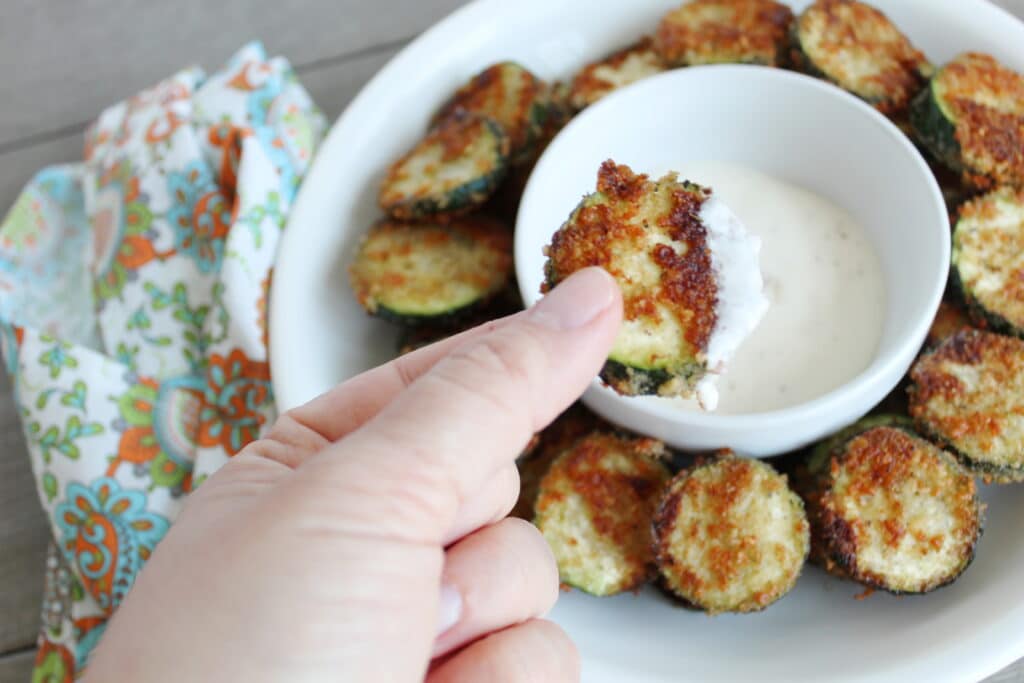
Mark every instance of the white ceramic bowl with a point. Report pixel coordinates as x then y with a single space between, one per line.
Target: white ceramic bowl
793 127
319 336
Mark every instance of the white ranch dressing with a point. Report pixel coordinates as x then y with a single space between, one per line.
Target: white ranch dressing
741 300
825 285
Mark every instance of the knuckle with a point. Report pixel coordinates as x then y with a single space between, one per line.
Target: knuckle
290 430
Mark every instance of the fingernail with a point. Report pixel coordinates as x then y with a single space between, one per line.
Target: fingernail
575 302
449 610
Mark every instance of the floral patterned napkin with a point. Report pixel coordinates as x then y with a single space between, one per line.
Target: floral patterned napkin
133 301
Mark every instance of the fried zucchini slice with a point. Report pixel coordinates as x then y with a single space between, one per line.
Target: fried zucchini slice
971 118
724 31
509 95
730 536
896 513
859 49
988 259
454 170
622 68
595 508
968 395
431 273
656 240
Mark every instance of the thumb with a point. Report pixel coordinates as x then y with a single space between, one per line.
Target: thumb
427 453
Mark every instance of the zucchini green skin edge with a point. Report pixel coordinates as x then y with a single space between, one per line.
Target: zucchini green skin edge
997 474
800 61
449 317
461 199
637 381
537 118
934 128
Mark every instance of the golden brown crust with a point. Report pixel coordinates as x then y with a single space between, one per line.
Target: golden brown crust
616 71
505 93
986 101
615 483
721 545
600 231
897 513
451 171
969 394
859 48
713 31
426 262
988 254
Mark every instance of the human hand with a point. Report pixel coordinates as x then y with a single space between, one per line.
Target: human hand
365 538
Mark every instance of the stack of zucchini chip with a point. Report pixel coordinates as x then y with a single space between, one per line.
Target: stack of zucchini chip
442 258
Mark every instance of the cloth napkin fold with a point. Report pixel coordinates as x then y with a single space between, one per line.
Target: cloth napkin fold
133 319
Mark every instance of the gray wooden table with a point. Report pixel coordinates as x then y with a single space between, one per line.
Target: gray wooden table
61 63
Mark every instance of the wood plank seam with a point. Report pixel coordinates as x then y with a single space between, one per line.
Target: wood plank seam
18 651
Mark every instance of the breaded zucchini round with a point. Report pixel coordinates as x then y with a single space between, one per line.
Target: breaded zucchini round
968 394
431 273
988 259
859 49
649 237
971 117
723 31
897 513
595 508
511 96
730 536
622 68
453 170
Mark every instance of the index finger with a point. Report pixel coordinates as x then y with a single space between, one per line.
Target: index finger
352 403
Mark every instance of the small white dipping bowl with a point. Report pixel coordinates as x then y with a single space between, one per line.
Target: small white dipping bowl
797 129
